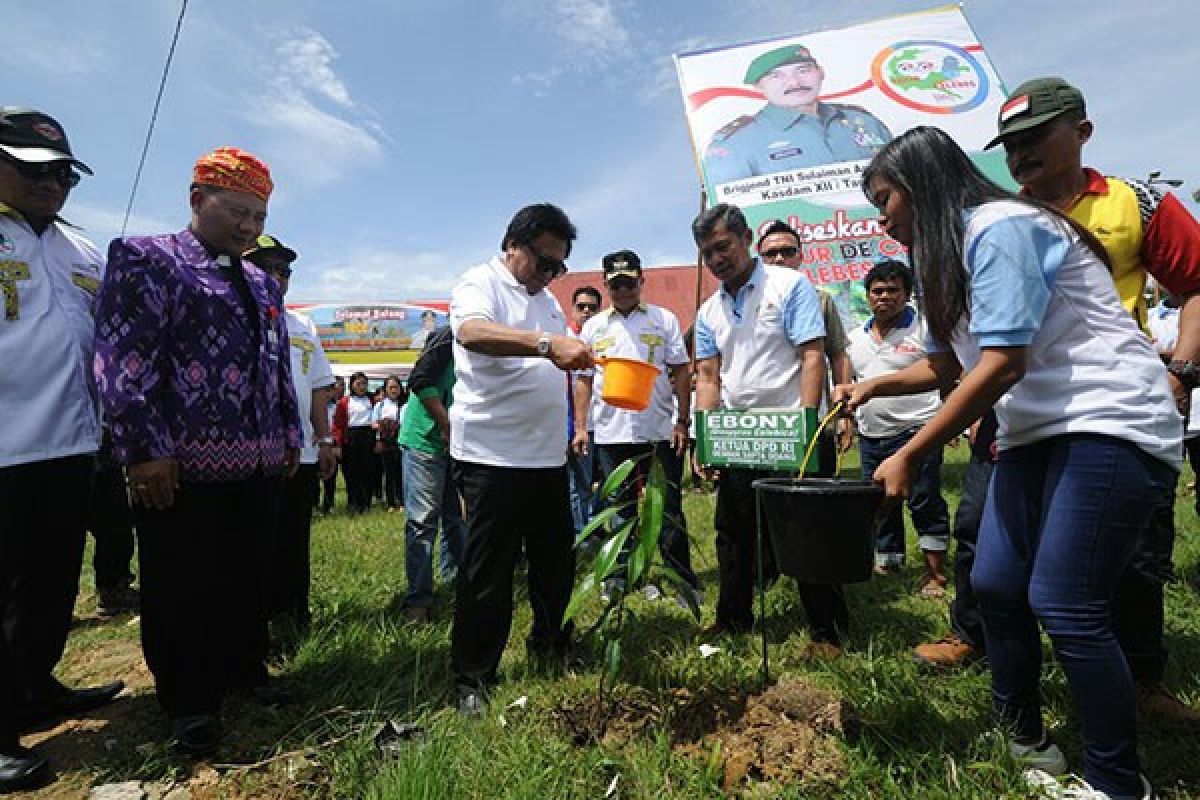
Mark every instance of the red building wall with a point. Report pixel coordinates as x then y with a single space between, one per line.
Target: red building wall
671 287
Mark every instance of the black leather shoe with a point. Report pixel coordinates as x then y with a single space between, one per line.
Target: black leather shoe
197 736
67 702
22 769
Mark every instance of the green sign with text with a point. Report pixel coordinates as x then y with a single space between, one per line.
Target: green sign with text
767 438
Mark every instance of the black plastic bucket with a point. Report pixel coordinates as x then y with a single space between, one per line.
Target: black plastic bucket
822 530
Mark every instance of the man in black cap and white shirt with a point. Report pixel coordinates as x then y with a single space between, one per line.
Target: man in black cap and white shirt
48 279
312 377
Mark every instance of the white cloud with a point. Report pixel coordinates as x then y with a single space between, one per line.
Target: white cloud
317 131
319 145
539 82
307 60
582 36
102 224
380 275
591 26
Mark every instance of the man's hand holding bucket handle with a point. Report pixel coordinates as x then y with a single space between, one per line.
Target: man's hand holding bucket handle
895 473
852 395
568 353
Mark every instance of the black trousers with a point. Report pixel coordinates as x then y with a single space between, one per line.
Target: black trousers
393 485
508 506
329 490
825 604
289 561
965 617
111 524
1138 614
43 515
358 467
204 590
673 544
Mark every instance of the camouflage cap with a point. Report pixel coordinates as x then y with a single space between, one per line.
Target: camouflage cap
1036 102
269 244
791 54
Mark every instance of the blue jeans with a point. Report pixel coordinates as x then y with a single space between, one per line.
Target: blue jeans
1061 523
925 502
430 500
579 472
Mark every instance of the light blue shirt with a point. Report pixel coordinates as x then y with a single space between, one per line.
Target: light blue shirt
802 319
1012 264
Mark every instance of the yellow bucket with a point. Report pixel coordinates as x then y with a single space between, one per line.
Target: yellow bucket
628 382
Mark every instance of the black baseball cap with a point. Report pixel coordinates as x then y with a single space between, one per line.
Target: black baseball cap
35 138
622 262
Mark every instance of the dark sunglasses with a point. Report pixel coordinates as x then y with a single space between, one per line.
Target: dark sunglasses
550 266
780 252
587 306
61 171
622 282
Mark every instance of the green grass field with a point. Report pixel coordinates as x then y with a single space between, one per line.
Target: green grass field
920 735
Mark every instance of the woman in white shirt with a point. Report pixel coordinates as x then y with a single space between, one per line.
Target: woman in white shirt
354 436
1021 297
385 419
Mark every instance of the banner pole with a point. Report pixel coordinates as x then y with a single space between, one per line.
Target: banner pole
699 286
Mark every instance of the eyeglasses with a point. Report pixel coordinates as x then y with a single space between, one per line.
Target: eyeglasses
587 306
549 266
780 252
622 282
60 171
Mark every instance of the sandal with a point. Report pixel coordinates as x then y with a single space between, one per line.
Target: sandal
933 589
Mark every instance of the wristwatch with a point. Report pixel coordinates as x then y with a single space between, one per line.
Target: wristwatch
543 345
325 440
1188 372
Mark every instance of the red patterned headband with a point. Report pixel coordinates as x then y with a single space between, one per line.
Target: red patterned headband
234 168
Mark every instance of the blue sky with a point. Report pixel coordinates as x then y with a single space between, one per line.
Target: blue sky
403 135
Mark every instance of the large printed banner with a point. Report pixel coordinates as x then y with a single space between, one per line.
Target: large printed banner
784 128
373 332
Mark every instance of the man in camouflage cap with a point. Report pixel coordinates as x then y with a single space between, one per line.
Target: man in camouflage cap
794 129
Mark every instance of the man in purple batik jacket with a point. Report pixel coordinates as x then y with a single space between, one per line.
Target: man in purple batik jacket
193 371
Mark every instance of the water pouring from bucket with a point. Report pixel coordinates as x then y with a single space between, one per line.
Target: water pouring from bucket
628 382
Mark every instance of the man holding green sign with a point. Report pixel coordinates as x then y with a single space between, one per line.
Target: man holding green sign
759 344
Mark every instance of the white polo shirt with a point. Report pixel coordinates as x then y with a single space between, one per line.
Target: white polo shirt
48 286
310 370
509 411
1089 368
651 334
903 346
756 333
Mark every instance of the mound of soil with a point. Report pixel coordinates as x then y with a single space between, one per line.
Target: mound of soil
786 735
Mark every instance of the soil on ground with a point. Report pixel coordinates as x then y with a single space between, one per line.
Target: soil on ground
788 734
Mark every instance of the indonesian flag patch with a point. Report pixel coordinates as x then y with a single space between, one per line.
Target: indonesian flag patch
1015 106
